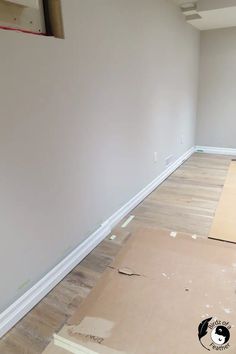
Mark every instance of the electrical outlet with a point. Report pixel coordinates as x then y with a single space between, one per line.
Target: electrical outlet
155 157
169 159
181 139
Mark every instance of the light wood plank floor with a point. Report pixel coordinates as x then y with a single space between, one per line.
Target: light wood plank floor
186 202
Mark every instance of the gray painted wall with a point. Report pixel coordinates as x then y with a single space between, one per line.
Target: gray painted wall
80 120
216 125
205 5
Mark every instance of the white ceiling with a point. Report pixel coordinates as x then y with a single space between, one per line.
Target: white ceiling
211 14
220 18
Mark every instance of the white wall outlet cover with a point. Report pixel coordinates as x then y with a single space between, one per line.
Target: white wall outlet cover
169 159
155 157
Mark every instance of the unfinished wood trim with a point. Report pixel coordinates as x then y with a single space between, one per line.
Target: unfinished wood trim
26 3
53 18
15 15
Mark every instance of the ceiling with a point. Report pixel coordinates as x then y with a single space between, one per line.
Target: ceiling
209 14
180 2
215 19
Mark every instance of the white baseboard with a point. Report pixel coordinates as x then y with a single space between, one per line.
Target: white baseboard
138 198
215 150
25 303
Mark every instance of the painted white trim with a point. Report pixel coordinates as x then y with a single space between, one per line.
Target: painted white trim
72 347
216 150
26 302
138 198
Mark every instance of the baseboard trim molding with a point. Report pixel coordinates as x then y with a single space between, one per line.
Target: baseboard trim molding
215 150
138 198
26 302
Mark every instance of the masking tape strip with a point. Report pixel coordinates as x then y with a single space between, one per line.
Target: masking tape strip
128 221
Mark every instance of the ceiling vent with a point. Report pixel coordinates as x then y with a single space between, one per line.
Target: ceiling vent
189 8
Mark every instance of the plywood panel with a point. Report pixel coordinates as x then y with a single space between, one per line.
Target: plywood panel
17 15
224 223
27 3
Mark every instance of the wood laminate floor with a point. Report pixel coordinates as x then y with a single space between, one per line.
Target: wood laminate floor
186 202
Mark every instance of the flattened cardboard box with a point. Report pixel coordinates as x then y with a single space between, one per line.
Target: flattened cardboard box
54 349
224 223
176 284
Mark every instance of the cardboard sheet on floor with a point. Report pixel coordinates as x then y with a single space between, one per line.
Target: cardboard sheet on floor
54 349
224 222
155 295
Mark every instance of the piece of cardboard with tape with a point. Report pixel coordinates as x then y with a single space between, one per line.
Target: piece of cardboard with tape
182 283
